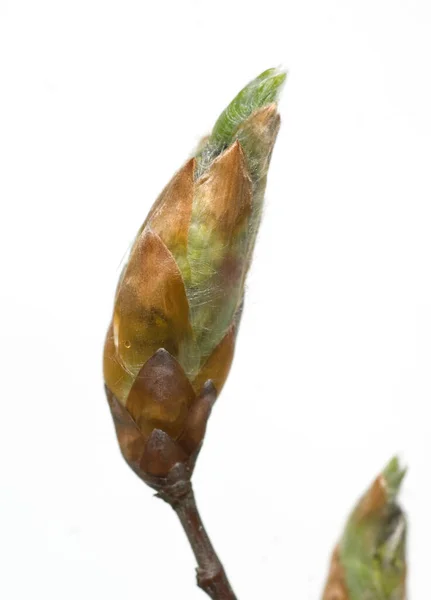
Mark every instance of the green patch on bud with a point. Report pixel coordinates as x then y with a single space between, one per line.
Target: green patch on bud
372 548
260 92
393 475
230 178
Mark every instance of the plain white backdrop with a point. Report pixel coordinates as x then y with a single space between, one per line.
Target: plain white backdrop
100 102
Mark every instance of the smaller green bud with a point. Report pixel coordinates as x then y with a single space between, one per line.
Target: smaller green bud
370 560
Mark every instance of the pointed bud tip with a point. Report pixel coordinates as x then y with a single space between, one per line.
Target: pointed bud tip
393 475
260 92
270 83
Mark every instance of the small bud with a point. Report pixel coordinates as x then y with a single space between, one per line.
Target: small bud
370 560
179 299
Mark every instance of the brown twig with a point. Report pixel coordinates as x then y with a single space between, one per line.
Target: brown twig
211 576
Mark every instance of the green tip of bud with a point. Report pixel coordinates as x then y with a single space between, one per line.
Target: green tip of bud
373 544
393 475
260 92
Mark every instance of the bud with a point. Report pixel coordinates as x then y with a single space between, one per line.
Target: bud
178 303
370 560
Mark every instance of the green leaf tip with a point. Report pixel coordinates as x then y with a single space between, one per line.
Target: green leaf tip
393 475
373 545
260 92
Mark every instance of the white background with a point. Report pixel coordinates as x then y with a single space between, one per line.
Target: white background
100 102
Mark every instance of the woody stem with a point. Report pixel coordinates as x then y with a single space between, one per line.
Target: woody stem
211 577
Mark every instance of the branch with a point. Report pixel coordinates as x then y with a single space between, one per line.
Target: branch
211 576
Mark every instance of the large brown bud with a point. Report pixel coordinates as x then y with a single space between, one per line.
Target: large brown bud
178 303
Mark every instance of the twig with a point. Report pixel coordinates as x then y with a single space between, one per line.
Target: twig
211 577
